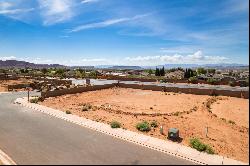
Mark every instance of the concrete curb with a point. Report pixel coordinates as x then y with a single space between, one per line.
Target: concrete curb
5 159
164 146
4 92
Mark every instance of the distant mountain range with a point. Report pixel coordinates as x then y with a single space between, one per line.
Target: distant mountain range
216 66
23 64
126 67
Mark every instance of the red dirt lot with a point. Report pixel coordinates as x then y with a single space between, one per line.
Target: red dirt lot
4 83
227 118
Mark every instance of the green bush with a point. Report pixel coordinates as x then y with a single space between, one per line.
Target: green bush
198 145
193 80
34 100
209 150
231 83
115 124
68 112
86 107
143 126
154 124
212 81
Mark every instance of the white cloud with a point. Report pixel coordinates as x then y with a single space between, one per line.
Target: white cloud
106 23
7 58
64 36
5 5
93 60
6 8
177 49
36 60
88 1
197 57
86 62
15 11
56 11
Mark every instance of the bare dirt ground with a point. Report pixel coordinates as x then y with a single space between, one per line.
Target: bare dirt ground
4 83
227 118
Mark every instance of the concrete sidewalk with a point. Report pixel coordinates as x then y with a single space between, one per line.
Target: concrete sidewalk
168 147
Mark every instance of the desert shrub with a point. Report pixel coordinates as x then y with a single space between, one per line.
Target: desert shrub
40 99
163 80
215 115
231 122
208 105
212 81
86 107
68 112
198 145
154 124
223 119
193 80
143 126
231 83
115 124
176 113
209 150
34 100
151 108
195 108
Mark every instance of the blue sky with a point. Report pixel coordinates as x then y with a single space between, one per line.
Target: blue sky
125 32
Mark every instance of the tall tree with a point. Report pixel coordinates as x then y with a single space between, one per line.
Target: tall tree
157 72
162 71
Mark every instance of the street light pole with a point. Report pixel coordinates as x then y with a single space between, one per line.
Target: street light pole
28 94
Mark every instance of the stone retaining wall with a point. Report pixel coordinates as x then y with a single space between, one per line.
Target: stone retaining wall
196 91
55 81
17 86
9 78
75 90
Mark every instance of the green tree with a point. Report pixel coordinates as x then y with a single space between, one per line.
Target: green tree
150 71
162 71
201 71
59 71
211 71
78 74
44 70
189 73
93 74
157 72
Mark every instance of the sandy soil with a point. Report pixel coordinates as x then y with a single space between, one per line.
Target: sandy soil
4 83
189 113
235 109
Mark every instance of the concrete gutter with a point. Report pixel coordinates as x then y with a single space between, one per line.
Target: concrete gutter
164 146
5 159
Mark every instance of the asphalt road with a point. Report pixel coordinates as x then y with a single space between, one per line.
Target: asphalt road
31 137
